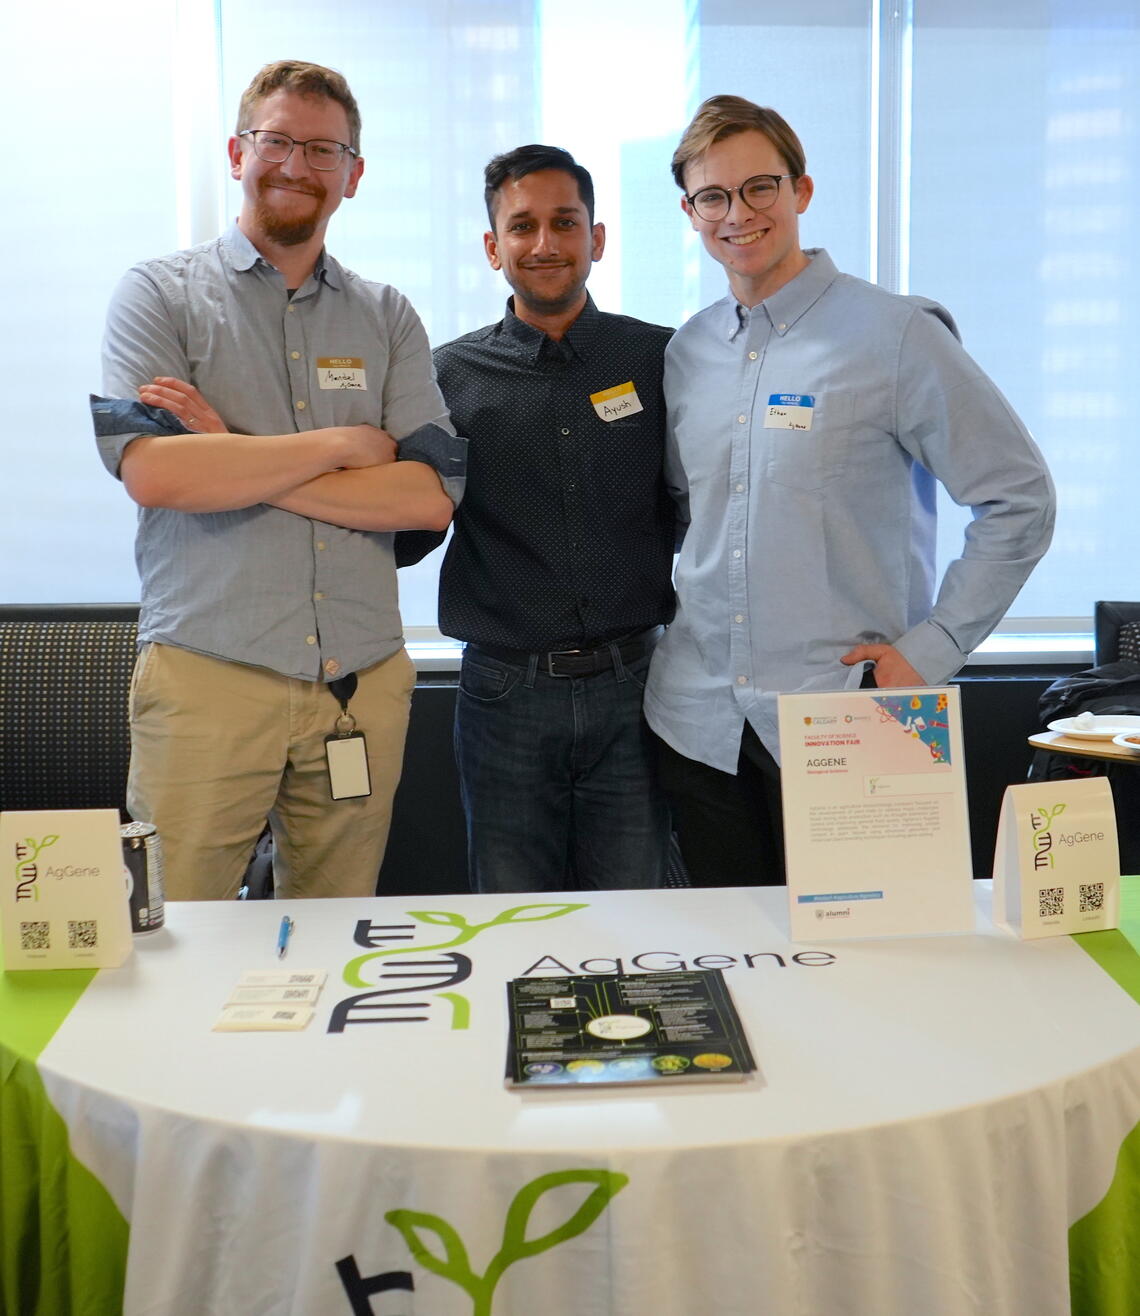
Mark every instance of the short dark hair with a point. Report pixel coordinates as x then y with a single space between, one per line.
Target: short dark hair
302 79
525 160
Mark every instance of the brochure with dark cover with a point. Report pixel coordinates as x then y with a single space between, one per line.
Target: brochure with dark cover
624 1028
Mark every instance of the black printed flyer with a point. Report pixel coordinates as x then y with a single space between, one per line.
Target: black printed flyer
624 1028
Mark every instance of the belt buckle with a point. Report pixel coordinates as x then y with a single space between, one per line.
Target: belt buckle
561 653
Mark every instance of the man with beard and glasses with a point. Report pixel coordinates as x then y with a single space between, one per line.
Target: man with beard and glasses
558 572
269 623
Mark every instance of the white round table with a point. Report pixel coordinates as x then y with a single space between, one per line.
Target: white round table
928 1118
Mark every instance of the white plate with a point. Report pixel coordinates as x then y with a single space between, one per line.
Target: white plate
1128 740
1103 726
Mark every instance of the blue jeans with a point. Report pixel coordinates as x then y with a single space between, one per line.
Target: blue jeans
558 778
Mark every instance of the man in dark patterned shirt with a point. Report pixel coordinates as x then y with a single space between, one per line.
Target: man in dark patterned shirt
558 575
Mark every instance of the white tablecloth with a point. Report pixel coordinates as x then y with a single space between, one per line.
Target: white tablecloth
929 1117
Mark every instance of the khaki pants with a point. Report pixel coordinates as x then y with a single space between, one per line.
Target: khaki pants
217 748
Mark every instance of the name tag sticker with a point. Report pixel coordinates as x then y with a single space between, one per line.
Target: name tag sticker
621 400
341 372
789 411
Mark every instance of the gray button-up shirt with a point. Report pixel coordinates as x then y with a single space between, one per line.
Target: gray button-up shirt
261 585
804 441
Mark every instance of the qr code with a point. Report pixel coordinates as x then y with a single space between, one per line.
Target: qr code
1092 897
1051 901
82 934
35 936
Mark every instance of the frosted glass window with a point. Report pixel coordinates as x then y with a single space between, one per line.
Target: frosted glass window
981 154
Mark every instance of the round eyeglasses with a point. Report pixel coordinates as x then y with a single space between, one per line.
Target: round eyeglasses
757 193
276 148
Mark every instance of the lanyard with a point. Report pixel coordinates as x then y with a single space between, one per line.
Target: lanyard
343 688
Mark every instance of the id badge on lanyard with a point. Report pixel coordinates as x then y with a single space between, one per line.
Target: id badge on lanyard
346 751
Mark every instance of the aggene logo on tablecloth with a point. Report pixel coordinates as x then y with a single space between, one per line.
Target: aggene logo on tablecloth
388 999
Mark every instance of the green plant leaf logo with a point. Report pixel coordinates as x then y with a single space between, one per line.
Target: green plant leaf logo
464 932
449 1259
26 871
438 916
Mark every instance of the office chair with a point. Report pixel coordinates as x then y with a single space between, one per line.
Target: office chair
64 674
1116 632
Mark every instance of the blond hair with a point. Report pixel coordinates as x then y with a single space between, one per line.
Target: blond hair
724 116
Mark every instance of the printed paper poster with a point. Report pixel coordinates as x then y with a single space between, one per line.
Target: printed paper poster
875 817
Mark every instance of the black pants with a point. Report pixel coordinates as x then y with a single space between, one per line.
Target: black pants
730 828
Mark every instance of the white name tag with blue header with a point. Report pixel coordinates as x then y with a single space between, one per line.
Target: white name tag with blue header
790 411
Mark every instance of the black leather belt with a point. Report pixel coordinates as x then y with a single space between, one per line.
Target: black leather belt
577 662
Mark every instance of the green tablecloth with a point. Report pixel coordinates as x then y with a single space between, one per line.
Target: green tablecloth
63 1242
1104 1246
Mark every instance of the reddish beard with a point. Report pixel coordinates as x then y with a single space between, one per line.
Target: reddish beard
288 232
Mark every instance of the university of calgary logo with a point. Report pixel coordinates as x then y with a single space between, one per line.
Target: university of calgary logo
400 988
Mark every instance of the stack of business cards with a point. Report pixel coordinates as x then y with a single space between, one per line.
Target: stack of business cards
271 1000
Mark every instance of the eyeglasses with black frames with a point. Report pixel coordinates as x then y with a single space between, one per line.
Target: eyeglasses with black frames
757 193
276 148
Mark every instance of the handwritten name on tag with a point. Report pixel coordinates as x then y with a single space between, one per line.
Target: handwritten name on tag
789 411
341 372
613 403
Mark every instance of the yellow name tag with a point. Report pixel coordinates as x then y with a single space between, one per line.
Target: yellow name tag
613 403
340 372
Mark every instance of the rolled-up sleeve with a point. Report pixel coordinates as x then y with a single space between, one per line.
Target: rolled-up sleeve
139 343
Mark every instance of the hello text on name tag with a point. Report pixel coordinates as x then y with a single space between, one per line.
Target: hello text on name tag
341 372
789 411
613 403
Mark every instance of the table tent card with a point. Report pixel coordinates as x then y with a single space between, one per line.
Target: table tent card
64 900
876 828
1056 861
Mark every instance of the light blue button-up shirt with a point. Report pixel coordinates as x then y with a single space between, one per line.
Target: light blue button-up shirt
260 585
803 542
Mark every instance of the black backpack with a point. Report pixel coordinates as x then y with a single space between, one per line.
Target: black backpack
1110 688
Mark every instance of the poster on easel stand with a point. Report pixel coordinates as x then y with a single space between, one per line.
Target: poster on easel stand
63 897
876 826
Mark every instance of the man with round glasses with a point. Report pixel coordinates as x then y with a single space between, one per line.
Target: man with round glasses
272 680
810 416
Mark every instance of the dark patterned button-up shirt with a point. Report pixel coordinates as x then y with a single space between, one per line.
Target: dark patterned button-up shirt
565 534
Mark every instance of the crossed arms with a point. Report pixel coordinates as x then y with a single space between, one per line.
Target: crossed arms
346 475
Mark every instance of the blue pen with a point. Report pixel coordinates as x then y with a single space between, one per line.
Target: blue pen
283 935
